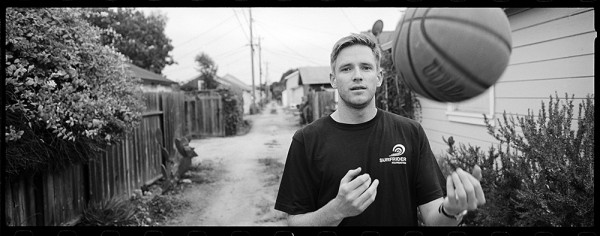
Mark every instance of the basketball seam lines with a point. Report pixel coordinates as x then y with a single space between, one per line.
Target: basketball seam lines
478 26
472 77
410 62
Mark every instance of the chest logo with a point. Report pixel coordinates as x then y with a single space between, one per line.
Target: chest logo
396 156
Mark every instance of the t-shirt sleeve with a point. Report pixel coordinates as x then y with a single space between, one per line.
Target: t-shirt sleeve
299 188
431 183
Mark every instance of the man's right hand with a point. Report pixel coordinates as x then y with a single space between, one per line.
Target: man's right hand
355 195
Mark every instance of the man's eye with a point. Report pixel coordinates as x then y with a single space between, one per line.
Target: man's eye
345 69
367 68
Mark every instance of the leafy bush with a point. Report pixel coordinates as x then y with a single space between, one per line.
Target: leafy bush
111 212
399 99
233 110
545 174
66 94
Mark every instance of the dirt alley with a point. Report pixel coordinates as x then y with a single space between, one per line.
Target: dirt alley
235 179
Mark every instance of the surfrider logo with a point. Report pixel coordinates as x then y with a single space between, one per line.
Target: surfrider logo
396 156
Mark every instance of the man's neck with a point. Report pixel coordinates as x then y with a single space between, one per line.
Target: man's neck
349 115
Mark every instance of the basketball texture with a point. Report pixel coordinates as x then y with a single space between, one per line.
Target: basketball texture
451 54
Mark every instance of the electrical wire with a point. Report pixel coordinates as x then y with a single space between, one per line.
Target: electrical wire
209 43
240 23
260 23
349 20
201 34
291 50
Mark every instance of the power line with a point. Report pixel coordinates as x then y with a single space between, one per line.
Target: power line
292 50
292 56
210 42
301 27
240 23
235 51
304 41
195 37
344 12
225 54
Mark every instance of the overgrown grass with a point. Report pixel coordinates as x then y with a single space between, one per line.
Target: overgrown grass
204 173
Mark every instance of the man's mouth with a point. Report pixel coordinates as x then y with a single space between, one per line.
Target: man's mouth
357 88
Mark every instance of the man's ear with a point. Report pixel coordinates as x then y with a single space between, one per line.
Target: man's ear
380 78
332 80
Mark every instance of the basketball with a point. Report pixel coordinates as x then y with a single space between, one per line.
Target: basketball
451 54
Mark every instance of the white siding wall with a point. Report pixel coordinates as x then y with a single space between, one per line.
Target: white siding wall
293 89
553 52
247 96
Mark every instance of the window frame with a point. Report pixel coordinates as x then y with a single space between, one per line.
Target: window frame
471 117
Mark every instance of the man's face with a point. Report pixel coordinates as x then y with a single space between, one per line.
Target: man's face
356 76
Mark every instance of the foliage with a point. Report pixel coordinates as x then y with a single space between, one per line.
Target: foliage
233 109
66 94
139 37
111 212
400 98
207 69
545 174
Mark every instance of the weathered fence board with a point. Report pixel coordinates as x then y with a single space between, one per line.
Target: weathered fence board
321 103
203 115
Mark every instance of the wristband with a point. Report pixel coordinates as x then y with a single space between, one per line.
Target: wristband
458 217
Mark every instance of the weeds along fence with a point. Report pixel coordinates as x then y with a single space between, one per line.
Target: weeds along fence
58 197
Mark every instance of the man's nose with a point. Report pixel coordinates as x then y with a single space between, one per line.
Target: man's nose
357 76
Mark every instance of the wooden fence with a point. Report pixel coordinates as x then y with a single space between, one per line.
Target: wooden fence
322 103
58 197
204 114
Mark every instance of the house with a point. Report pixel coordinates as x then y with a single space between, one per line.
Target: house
303 80
553 53
197 83
152 82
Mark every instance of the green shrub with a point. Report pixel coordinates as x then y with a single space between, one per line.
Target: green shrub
542 174
394 95
66 94
111 212
233 110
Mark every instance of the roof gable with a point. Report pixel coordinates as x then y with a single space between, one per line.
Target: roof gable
314 75
235 82
149 76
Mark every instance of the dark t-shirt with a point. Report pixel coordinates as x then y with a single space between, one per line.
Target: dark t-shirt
390 148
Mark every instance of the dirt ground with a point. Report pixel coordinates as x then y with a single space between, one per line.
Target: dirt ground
235 179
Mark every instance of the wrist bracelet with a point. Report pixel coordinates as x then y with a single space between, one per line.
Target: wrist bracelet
441 210
457 217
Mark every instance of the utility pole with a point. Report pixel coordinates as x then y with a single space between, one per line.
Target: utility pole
260 87
267 87
252 61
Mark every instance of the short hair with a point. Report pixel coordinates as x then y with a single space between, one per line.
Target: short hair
355 39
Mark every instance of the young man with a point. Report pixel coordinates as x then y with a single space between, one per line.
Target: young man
364 166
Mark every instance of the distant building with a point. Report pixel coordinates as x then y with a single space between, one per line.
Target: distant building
197 83
300 82
152 82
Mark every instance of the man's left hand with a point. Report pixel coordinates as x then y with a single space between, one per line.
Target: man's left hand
464 191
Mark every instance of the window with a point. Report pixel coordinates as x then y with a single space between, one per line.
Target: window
471 111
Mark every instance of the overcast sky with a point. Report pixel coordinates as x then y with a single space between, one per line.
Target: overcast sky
290 37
